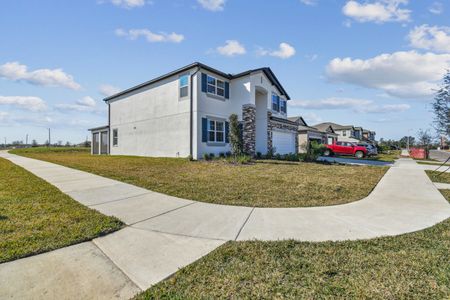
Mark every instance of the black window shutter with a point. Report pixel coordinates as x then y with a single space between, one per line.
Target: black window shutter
204 130
278 103
227 132
204 82
227 90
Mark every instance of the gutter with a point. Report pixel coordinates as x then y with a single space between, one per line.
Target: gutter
191 112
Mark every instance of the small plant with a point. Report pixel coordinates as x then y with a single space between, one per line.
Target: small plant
222 155
244 159
258 155
278 156
270 152
205 156
314 151
228 154
212 156
235 136
190 158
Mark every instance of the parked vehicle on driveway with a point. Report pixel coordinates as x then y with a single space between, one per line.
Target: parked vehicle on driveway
345 148
371 149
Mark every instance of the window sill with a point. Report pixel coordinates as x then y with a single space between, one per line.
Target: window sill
213 96
214 144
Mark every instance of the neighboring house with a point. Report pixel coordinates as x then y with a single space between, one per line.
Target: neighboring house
307 134
345 133
359 133
185 113
368 136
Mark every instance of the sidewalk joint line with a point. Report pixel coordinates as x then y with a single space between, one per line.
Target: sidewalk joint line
158 215
116 200
179 234
245 222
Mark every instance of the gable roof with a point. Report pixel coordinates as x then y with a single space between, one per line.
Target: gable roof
266 70
334 126
299 120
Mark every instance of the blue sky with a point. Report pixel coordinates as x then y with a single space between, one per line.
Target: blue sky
369 63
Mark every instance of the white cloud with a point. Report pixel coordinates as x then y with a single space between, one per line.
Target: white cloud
212 5
86 101
85 104
379 11
312 118
24 102
44 77
386 108
356 105
430 38
231 48
284 51
127 3
151 37
330 103
400 74
436 8
309 2
108 90
3 116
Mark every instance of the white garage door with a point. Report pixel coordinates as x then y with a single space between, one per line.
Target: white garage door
284 142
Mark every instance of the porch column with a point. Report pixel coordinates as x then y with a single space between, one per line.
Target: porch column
249 128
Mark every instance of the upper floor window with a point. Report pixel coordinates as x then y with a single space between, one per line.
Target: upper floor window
215 86
184 86
283 106
344 133
115 137
216 131
275 102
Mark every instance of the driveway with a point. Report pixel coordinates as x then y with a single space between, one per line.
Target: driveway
353 161
165 233
439 155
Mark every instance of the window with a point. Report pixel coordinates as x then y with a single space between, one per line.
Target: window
184 86
216 131
115 137
275 102
215 86
283 106
344 133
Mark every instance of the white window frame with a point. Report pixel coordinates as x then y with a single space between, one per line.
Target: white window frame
215 131
115 137
183 86
215 86
278 102
285 106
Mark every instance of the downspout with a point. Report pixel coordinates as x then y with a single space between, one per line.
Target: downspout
191 116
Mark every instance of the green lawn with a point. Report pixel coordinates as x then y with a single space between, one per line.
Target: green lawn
257 184
410 266
438 176
36 217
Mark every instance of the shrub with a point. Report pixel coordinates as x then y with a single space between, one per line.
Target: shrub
314 151
228 154
212 156
190 158
244 159
278 156
222 155
235 136
205 156
258 155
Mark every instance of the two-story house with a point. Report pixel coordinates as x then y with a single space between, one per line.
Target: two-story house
345 133
186 112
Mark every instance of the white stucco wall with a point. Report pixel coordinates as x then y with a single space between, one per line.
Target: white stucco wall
152 121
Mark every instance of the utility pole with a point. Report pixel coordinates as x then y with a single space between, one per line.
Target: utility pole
49 138
26 140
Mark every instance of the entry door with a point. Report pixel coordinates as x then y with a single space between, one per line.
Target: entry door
104 142
95 143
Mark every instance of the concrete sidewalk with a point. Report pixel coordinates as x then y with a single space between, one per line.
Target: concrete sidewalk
166 233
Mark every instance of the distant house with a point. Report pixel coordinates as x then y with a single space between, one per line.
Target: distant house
368 136
349 133
185 113
308 134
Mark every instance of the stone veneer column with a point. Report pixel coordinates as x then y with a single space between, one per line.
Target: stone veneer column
249 128
269 132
